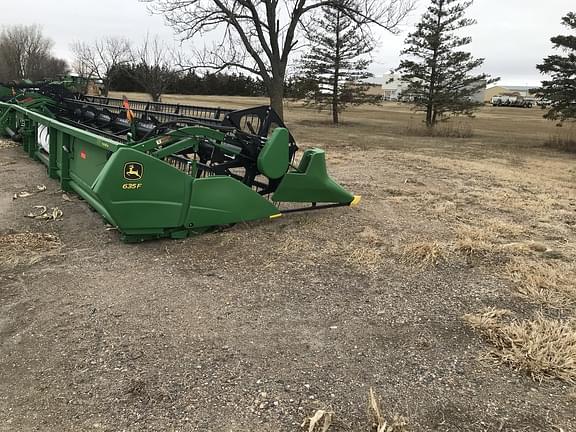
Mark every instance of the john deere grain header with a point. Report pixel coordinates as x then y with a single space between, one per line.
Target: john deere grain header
163 170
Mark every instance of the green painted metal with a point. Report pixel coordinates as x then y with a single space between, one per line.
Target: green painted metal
5 92
158 199
221 200
183 144
311 183
6 119
274 159
135 189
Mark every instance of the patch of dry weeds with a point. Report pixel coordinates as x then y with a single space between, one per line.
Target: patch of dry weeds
474 248
474 242
366 258
363 254
492 240
424 253
491 230
551 283
396 422
514 199
320 421
444 130
541 347
26 248
323 419
500 228
563 140
524 247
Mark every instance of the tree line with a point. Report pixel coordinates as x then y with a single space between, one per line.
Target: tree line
190 83
261 37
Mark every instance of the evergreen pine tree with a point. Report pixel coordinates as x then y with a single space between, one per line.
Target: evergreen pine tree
335 66
439 75
560 89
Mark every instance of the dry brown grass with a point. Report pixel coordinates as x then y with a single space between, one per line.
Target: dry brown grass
443 208
485 241
493 241
424 253
320 421
551 283
564 140
323 419
363 255
526 247
384 126
443 130
543 348
395 423
474 242
500 228
474 248
490 230
26 248
366 258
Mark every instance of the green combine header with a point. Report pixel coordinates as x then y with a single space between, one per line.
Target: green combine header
157 170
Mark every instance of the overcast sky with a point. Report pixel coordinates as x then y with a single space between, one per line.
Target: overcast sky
512 35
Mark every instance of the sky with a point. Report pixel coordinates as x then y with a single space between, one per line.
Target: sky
512 35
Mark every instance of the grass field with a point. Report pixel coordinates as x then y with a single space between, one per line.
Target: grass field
445 302
388 126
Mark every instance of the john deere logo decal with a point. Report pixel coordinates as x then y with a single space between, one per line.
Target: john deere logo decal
133 171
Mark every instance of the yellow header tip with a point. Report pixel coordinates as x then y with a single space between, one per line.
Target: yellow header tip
276 216
356 200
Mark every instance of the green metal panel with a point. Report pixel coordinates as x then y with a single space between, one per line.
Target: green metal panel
29 136
42 157
54 143
311 183
158 199
274 158
63 162
221 200
86 161
5 92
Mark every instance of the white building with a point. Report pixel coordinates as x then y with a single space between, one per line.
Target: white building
393 86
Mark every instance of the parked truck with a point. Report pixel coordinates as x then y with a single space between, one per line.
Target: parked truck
511 101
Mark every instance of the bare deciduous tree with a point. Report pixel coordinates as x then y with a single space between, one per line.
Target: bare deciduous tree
26 53
153 66
101 58
258 36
